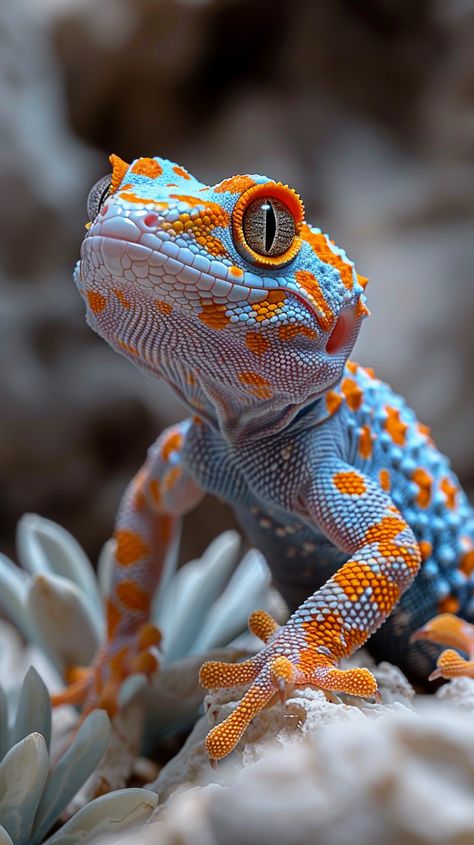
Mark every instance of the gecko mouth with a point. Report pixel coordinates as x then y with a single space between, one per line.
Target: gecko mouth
161 269
140 266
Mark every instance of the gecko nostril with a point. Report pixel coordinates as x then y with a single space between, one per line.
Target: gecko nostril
150 220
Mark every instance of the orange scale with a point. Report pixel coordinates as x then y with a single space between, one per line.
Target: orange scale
130 547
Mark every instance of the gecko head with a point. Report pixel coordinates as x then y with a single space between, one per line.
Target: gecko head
224 290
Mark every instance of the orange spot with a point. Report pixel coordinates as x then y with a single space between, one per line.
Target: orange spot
355 578
289 331
147 167
130 547
449 605
352 392
155 491
210 216
119 169
395 427
165 528
173 443
236 271
467 562
132 596
363 280
361 309
450 491
211 209
352 367
211 243
269 306
113 618
257 343
96 301
213 315
164 307
180 171
365 442
139 500
425 548
235 185
121 298
319 243
425 430
171 478
275 297
127 347
310 284
369 371
130 196
425 482
333 401
385 480
256 384
349 483
386 529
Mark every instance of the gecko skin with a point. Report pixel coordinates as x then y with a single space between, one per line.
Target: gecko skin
250 314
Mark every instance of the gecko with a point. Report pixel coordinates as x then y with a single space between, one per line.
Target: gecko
250 314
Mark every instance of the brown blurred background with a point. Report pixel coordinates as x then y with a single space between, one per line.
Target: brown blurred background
366 108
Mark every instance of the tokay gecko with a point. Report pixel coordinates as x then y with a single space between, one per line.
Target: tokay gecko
250 314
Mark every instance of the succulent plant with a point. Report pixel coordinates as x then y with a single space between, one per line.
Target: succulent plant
35 788
56 602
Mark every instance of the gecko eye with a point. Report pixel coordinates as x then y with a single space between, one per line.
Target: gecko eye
266 223
97 196
268 226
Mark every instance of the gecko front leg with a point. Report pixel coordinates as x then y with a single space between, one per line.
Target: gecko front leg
361 519
147 520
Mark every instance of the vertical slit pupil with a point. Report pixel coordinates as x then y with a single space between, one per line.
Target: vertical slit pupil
270 225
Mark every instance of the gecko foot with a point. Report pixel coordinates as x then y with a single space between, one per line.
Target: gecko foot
98 686
454 632
450 664
285 662
448 630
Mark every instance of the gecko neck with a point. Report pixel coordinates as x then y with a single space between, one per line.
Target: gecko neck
236 414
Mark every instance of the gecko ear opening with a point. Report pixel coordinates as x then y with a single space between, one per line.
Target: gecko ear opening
341 334
119 169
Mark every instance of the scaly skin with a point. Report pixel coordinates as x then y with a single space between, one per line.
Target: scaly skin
251 315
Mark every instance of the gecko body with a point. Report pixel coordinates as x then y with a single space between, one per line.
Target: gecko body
250 314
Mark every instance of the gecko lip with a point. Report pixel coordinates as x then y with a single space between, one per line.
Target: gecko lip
150 266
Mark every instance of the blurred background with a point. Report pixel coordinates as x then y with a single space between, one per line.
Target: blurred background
366 108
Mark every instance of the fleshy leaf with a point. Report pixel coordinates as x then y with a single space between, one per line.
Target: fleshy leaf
23 773
34 709
110 814
169 569
13 588
4 732
194 589
5 839
72 770
105 566
227 618
46 547
66 624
